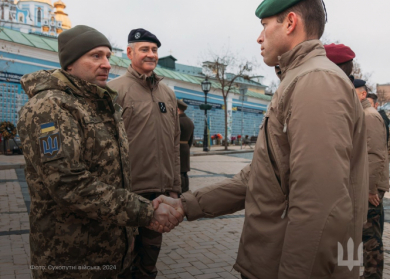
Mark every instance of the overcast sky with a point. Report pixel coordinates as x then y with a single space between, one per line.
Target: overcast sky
189 30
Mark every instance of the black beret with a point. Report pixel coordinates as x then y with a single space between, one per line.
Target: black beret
358 83
142 35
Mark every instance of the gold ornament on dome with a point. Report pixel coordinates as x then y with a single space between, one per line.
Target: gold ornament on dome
61 15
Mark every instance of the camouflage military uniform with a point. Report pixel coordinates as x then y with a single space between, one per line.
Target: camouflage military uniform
372 239
83 216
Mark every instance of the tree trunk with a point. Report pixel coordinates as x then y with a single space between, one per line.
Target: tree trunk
226 122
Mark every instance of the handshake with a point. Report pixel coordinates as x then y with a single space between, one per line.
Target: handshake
168 213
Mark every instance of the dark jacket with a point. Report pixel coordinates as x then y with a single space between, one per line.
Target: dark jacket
83 212
387 123
187 128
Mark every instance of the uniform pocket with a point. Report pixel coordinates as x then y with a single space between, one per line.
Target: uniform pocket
127 112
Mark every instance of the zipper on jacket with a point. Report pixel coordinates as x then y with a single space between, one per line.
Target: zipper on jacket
287 117
157 143
286 208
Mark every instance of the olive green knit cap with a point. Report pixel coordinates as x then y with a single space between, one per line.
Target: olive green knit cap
75 42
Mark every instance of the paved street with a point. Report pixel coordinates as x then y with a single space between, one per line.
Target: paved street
200 249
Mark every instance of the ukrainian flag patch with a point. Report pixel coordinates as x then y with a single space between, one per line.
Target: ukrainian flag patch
48 127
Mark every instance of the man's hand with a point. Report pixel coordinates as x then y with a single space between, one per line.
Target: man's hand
374 199
165 218
173 195
175 203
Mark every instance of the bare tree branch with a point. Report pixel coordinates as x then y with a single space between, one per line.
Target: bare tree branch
226 71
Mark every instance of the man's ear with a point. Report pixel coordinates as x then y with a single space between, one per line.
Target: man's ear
291 22
129 52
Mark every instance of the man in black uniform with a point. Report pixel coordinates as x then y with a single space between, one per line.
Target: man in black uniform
186 141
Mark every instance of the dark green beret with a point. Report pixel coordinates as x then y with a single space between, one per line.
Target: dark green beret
273 7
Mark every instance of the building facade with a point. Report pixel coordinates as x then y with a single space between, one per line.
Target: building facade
22 53
38 17
383 92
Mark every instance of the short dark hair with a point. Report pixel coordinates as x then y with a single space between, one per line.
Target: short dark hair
347 67
313 15
373 97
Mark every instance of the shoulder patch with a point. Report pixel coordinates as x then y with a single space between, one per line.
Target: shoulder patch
50 143
48 127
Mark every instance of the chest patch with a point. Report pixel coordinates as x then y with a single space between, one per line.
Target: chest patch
162 106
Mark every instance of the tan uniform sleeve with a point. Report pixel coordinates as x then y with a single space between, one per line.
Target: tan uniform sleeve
67 178
222 198
320 131
377 150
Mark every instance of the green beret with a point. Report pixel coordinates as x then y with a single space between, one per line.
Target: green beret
273 7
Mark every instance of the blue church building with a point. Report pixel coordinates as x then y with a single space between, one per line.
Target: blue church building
25 51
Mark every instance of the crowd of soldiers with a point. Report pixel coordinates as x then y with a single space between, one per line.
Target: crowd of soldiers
107 163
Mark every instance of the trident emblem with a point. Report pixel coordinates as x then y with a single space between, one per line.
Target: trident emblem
350 263
50 145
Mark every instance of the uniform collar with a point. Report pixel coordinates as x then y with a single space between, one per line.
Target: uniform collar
182 115
299 55
84 88
154 79
366 104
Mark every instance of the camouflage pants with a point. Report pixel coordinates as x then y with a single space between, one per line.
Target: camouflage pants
372 239
146 250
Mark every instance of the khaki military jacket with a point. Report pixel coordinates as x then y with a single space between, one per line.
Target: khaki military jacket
187 128
305 189
378 156
151 121
83 213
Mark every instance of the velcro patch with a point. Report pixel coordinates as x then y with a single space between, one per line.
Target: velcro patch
50 145
163 109
48 127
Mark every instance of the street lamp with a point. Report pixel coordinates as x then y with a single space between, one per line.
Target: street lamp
242 90
205 86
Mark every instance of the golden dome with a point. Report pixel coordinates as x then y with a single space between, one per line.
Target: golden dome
61 15
48 2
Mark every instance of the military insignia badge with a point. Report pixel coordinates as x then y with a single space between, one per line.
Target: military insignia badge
137 35
163 109
48 127
50 145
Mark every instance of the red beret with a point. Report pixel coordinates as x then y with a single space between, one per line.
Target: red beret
339 54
